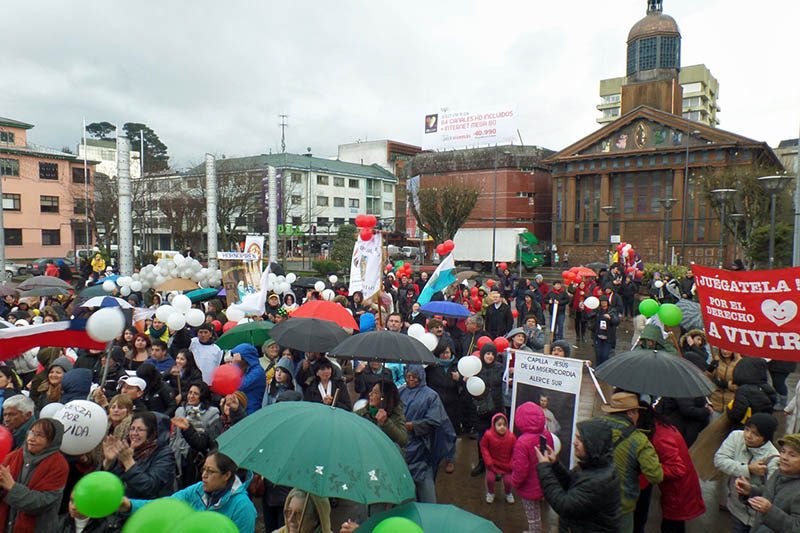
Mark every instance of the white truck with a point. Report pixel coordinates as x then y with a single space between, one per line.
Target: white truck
474 248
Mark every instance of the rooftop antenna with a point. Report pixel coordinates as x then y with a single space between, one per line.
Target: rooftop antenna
283 126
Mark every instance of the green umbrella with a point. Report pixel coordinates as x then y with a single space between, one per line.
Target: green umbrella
94 290
322 450
255 333
46 291
434 517
201 295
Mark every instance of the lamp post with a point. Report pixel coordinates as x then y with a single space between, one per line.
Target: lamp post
722 196
736 218
494 209
773 185
684 203
667 204
609 210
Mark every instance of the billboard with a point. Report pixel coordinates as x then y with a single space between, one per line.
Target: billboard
451 129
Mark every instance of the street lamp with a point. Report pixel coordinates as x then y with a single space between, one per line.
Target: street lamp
736 218
684 203
667 204
609 210
494 209
773 185
722 196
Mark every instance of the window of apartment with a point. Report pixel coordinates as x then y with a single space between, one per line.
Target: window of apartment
647 54
322 180
338 182
610 99
192 183
12 202
338 202
387 206
48 204
297 221
48 171
297 177
7 137
51 237
609 113
13 237
353 202
9 167
79 206
692 87
78 176
691 102
351 221
338 221
692 115
322 201
296 199
322 221
388 187
353 184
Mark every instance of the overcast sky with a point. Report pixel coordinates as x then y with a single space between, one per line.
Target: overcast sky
214 76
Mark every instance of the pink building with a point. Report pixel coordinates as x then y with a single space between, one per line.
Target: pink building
44 192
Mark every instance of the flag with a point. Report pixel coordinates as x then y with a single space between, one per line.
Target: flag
440 280
66 333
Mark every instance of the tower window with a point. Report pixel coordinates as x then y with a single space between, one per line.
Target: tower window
669 52
632 48
647 53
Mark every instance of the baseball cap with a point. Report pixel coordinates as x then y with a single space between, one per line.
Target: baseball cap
134 381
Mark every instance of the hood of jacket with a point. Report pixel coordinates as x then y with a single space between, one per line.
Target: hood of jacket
418 371
750 371
529 418
692 333
32 460
494 431
596 438
564 345
651 332
248 352
76 385
46 356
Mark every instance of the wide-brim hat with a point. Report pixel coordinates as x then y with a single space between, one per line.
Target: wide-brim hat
621 402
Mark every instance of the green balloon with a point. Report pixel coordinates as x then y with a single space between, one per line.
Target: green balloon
670 314
98 494
399 264
158 516
648 307
397 524
206 521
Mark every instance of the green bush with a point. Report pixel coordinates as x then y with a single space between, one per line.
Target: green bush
676 271
325 267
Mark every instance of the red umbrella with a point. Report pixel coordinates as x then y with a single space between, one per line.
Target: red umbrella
585 272
325 310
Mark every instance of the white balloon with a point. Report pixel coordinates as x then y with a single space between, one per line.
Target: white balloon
234 314
333 279
176 321
319 286
272 277
195 317
286 287
122 281
476 386
658 284
430 341
109 285
280 279
328 295
159 280
157 271
135 276
51 410
179 260
105 324
469 365
591 303
136 286
126 290
163 312
182 303
416 331
556 443
291 277
84 426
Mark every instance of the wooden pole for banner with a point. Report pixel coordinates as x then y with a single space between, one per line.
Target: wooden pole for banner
553 318
105 369
380 285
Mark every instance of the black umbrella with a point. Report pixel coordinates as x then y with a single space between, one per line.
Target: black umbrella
308 334
383 346
39 282
597 266
308 283
655 372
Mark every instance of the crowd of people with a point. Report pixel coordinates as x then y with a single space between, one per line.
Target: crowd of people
164 420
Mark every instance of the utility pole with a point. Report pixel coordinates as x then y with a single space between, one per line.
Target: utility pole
125 215
211 210
283 126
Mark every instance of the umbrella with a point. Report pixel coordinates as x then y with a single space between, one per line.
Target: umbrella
255 333
308 283
383 346
585 272
8 289
113 277
38 282
466 274
692 318
201 295
92 290
434 517
350 457
308 334
177 284
655 372
597 266
106 301
46 291
446 309
329 311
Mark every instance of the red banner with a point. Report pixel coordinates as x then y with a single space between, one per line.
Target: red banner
752 313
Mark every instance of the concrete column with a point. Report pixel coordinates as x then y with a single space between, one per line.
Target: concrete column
211 210
125 211
272 216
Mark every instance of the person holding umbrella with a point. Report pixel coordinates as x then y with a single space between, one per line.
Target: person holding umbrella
326 388
385 410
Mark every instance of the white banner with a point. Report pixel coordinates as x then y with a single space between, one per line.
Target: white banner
366 266
555 384
254 244
450 129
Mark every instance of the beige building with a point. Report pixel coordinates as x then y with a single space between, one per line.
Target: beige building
44 196
700 95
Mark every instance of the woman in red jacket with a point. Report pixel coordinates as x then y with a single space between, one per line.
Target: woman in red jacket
497 448
32 480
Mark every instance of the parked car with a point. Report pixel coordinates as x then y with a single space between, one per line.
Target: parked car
38 266
16 269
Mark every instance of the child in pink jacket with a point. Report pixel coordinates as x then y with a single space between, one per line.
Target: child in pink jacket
529 420
497 448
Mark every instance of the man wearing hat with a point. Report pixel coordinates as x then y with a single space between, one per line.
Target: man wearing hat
133 387
633 453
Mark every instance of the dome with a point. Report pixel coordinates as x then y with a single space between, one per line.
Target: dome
655 23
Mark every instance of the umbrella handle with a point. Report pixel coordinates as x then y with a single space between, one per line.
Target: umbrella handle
335 396
105 368
305 505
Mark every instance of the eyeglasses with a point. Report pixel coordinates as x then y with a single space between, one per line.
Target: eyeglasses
37 434
135 429
210 471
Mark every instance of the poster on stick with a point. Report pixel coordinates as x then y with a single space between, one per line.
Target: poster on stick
241 274
555 384
753 312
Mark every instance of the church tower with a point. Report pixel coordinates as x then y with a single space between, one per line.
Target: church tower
653 64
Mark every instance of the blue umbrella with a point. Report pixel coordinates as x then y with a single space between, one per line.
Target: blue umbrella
100 281
106 301
201 295
446 309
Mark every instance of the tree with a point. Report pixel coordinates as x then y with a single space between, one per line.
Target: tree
156 157
185 214
441 210
342 251
100 130
758 246
104 209
238 201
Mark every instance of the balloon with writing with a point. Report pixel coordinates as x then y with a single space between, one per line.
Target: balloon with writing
84 426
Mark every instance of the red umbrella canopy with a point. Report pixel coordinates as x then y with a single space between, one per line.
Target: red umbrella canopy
325 310
585 272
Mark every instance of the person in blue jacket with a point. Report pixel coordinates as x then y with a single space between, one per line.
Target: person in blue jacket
220 491
254 383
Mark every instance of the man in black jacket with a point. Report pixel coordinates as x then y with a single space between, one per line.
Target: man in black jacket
560 296
604 321
475 330
499 319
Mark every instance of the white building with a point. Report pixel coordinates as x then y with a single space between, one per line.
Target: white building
104 151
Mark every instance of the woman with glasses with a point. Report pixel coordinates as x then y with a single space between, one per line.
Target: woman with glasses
197 425
220 490
32 480
143 461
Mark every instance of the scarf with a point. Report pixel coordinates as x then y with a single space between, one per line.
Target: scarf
143 452
157 333
325 391
445 363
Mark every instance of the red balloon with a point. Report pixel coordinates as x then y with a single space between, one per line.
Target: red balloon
577 278
476 353
6 442
514 313
483 340
490 283
503 266
473 291
566 274
370 221
360 221
229 325
366 234
449 245
226 379
501 343
217 325
389 268
440 249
